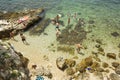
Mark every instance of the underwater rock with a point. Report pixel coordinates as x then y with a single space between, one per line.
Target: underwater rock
70 62
111 55
60 62
100 49
97 46
95 65
105 65
115 34
115 64
107 70
99 41
97 59
102 53
91 21
117 70
71 37
114 76
70 71
40 27
84 64
99 69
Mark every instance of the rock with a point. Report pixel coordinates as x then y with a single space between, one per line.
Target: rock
100 69
60 62
34 16
97 46
114 76
117 70
12 64
84 64
70 71
107 70
91 21
88 61
95 65
100 49
99 41
101 53
105 65
70 62
97 59
115 64
111 55
115 34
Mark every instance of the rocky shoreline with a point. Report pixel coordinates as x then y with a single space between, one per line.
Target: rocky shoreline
19 21
13 65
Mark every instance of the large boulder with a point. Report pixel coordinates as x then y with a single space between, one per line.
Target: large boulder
111 55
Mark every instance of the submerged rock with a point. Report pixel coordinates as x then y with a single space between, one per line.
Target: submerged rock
70 71
115 64
71 37
60 62
115 34
84 64
105 65
40 27
111 55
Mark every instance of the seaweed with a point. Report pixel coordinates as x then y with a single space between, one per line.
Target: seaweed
66 49
72 36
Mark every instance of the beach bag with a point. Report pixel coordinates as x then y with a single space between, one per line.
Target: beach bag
39 78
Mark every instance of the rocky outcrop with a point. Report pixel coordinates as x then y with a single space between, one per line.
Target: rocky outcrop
13 65
20 21
111 55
